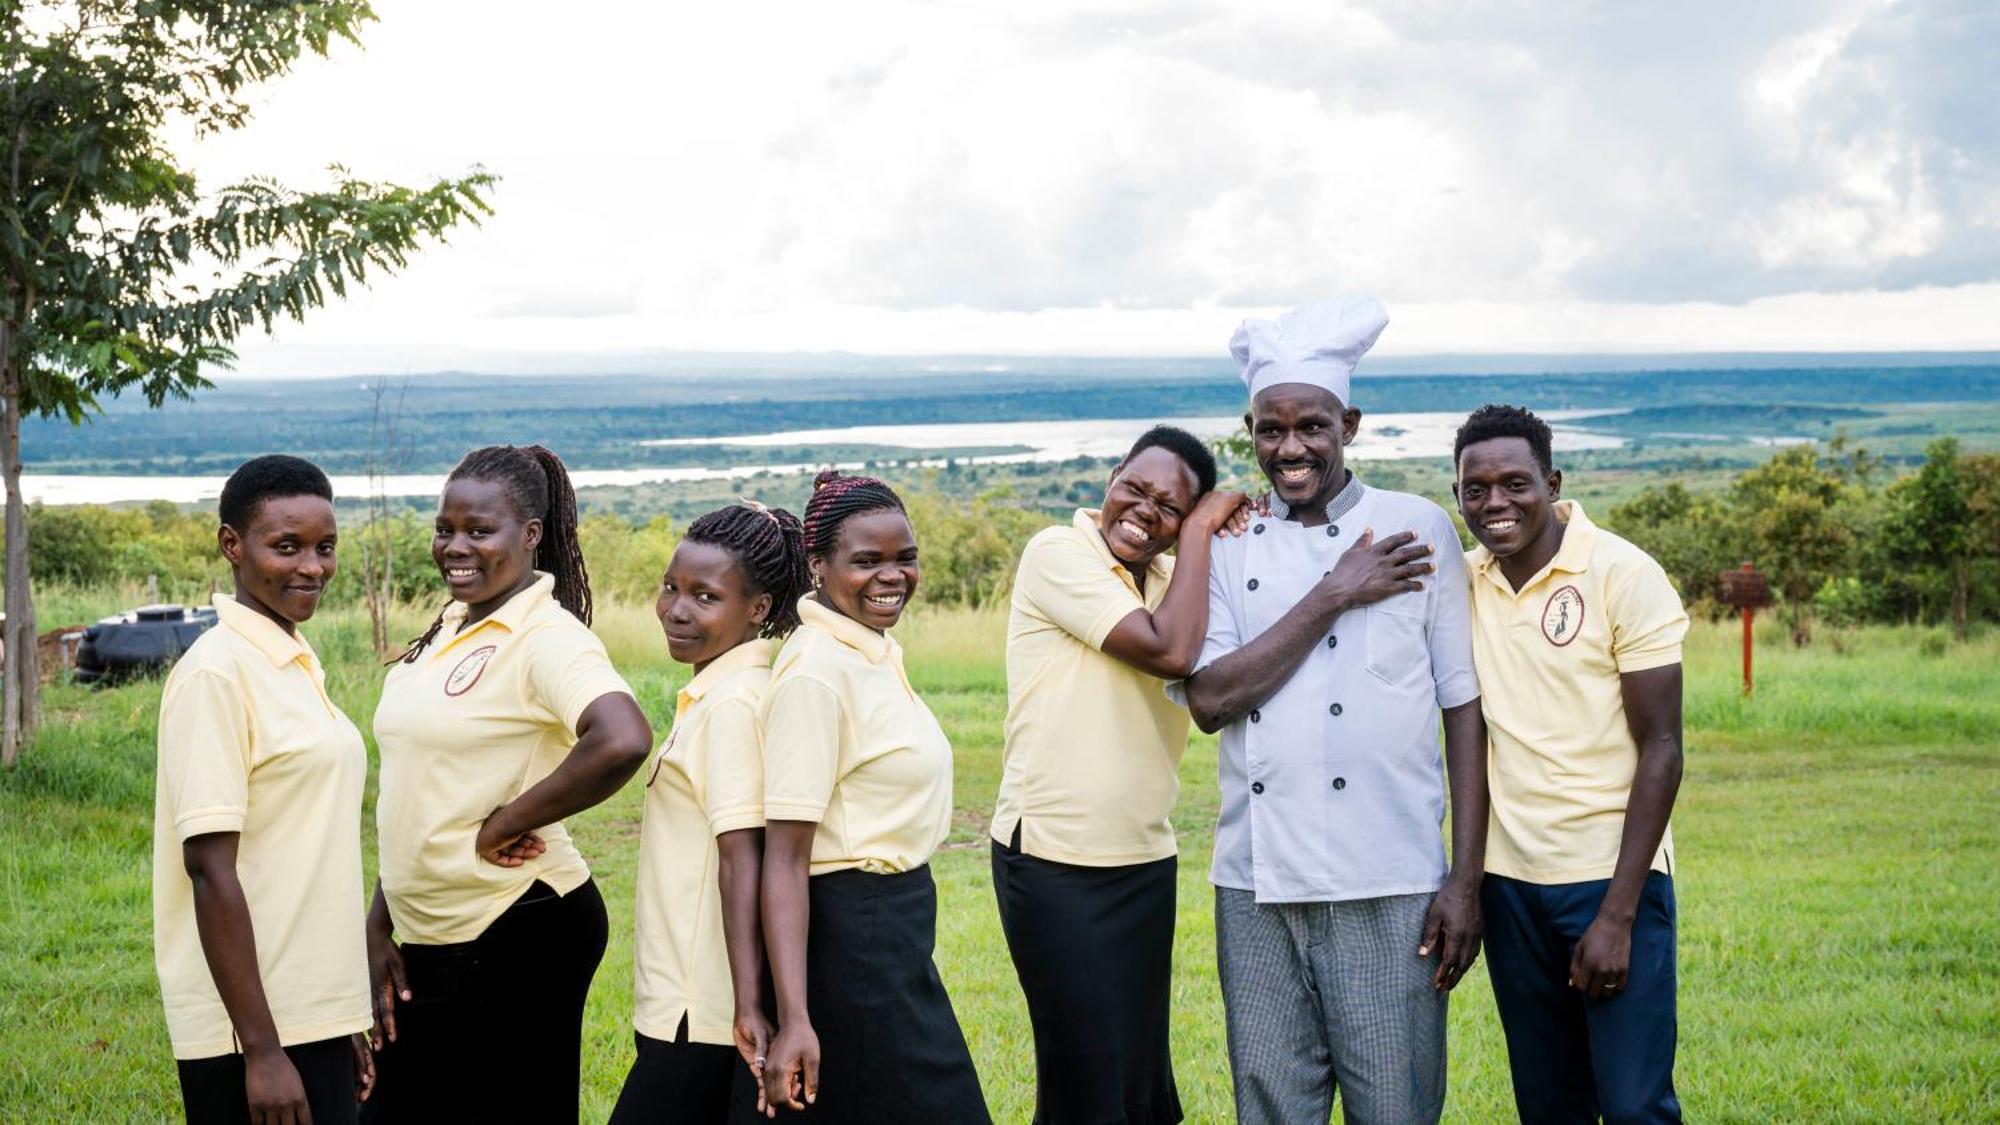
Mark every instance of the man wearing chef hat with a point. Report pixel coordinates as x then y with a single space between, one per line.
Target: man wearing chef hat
1339 636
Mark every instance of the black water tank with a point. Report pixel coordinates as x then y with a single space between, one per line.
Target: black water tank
143 640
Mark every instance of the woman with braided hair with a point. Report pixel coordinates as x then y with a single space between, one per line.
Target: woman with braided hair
503 718
857 797
730 593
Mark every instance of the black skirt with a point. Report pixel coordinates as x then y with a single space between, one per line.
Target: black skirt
1094 948
890 1047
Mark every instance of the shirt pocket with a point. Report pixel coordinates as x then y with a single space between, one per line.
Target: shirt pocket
1397 646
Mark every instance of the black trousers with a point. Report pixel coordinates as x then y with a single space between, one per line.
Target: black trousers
212 1089
1094 948
696 1083
494 1026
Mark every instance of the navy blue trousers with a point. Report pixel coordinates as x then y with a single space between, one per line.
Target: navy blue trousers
1575 1059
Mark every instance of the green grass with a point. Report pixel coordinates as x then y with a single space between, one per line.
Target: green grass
1838 878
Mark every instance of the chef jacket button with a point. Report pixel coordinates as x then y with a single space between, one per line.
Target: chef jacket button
1334 710
1340 783
1256 715
1332 530
1332 642
1258 529
1256 787
1253 583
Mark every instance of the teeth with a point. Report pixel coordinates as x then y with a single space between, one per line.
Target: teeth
1293 476
889 600
1500 525
1132 529
459 572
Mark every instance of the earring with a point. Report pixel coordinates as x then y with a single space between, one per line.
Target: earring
816 583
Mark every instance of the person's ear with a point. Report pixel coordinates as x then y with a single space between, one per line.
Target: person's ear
1350 425
531 535
1555 484
760 612
230 543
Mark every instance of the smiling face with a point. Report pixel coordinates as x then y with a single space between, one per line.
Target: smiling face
871 573
1507 500
481 545
284 558
706 604
1148 497
1300 433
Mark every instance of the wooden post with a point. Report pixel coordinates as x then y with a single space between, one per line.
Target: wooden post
1746 589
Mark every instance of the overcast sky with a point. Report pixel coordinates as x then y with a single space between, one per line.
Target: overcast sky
1132 178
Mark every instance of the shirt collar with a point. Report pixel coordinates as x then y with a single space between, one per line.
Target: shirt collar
512 613
280 647
750 654
1343 502
1573 557
1087 520
869 643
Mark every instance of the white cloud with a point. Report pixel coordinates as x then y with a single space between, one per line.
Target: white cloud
1113 176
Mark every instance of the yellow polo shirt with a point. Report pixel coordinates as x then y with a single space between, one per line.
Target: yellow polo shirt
848 745
480 717
707 779
1091 766
250 743
1549 658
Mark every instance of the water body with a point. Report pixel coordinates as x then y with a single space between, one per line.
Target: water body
1383 437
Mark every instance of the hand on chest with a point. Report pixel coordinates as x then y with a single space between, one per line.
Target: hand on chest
1386 640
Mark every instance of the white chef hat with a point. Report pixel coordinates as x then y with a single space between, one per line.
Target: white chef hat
1317 343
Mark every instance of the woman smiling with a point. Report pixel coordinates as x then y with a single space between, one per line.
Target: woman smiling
730 591
502 719
257 838
857 796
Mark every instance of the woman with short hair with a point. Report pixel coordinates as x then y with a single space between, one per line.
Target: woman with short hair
256 832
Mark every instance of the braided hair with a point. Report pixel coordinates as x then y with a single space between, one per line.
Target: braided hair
538 488
769 544
835 499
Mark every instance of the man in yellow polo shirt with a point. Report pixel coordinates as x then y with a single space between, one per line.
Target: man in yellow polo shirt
1083 855
1577 638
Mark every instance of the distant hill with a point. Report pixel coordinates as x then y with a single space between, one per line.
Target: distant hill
598 421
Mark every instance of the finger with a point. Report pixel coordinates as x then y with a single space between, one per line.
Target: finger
812 1079
1433 930
1391 544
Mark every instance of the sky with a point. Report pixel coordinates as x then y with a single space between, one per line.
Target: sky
1070 177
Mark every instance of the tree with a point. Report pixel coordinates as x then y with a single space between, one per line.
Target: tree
116 274
1932 528
1791 506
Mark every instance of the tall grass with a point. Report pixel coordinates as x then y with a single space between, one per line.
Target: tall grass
1839 869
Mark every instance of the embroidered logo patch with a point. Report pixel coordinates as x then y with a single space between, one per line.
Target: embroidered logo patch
469 670
1562 618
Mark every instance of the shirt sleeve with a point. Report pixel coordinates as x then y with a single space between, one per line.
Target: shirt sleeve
568 670
205 755
1647 618
733 772
1222 637
1065 582
802 733
1449 630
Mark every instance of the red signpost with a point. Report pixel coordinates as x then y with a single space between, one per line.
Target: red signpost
1748 591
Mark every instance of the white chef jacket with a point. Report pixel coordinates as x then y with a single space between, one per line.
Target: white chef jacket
1333 789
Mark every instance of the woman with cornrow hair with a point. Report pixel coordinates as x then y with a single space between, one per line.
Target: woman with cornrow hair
857 797
503 718
730 593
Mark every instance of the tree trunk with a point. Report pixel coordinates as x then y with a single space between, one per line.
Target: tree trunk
20 701
1961 589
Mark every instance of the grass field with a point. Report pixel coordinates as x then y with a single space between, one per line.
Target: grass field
1839 884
